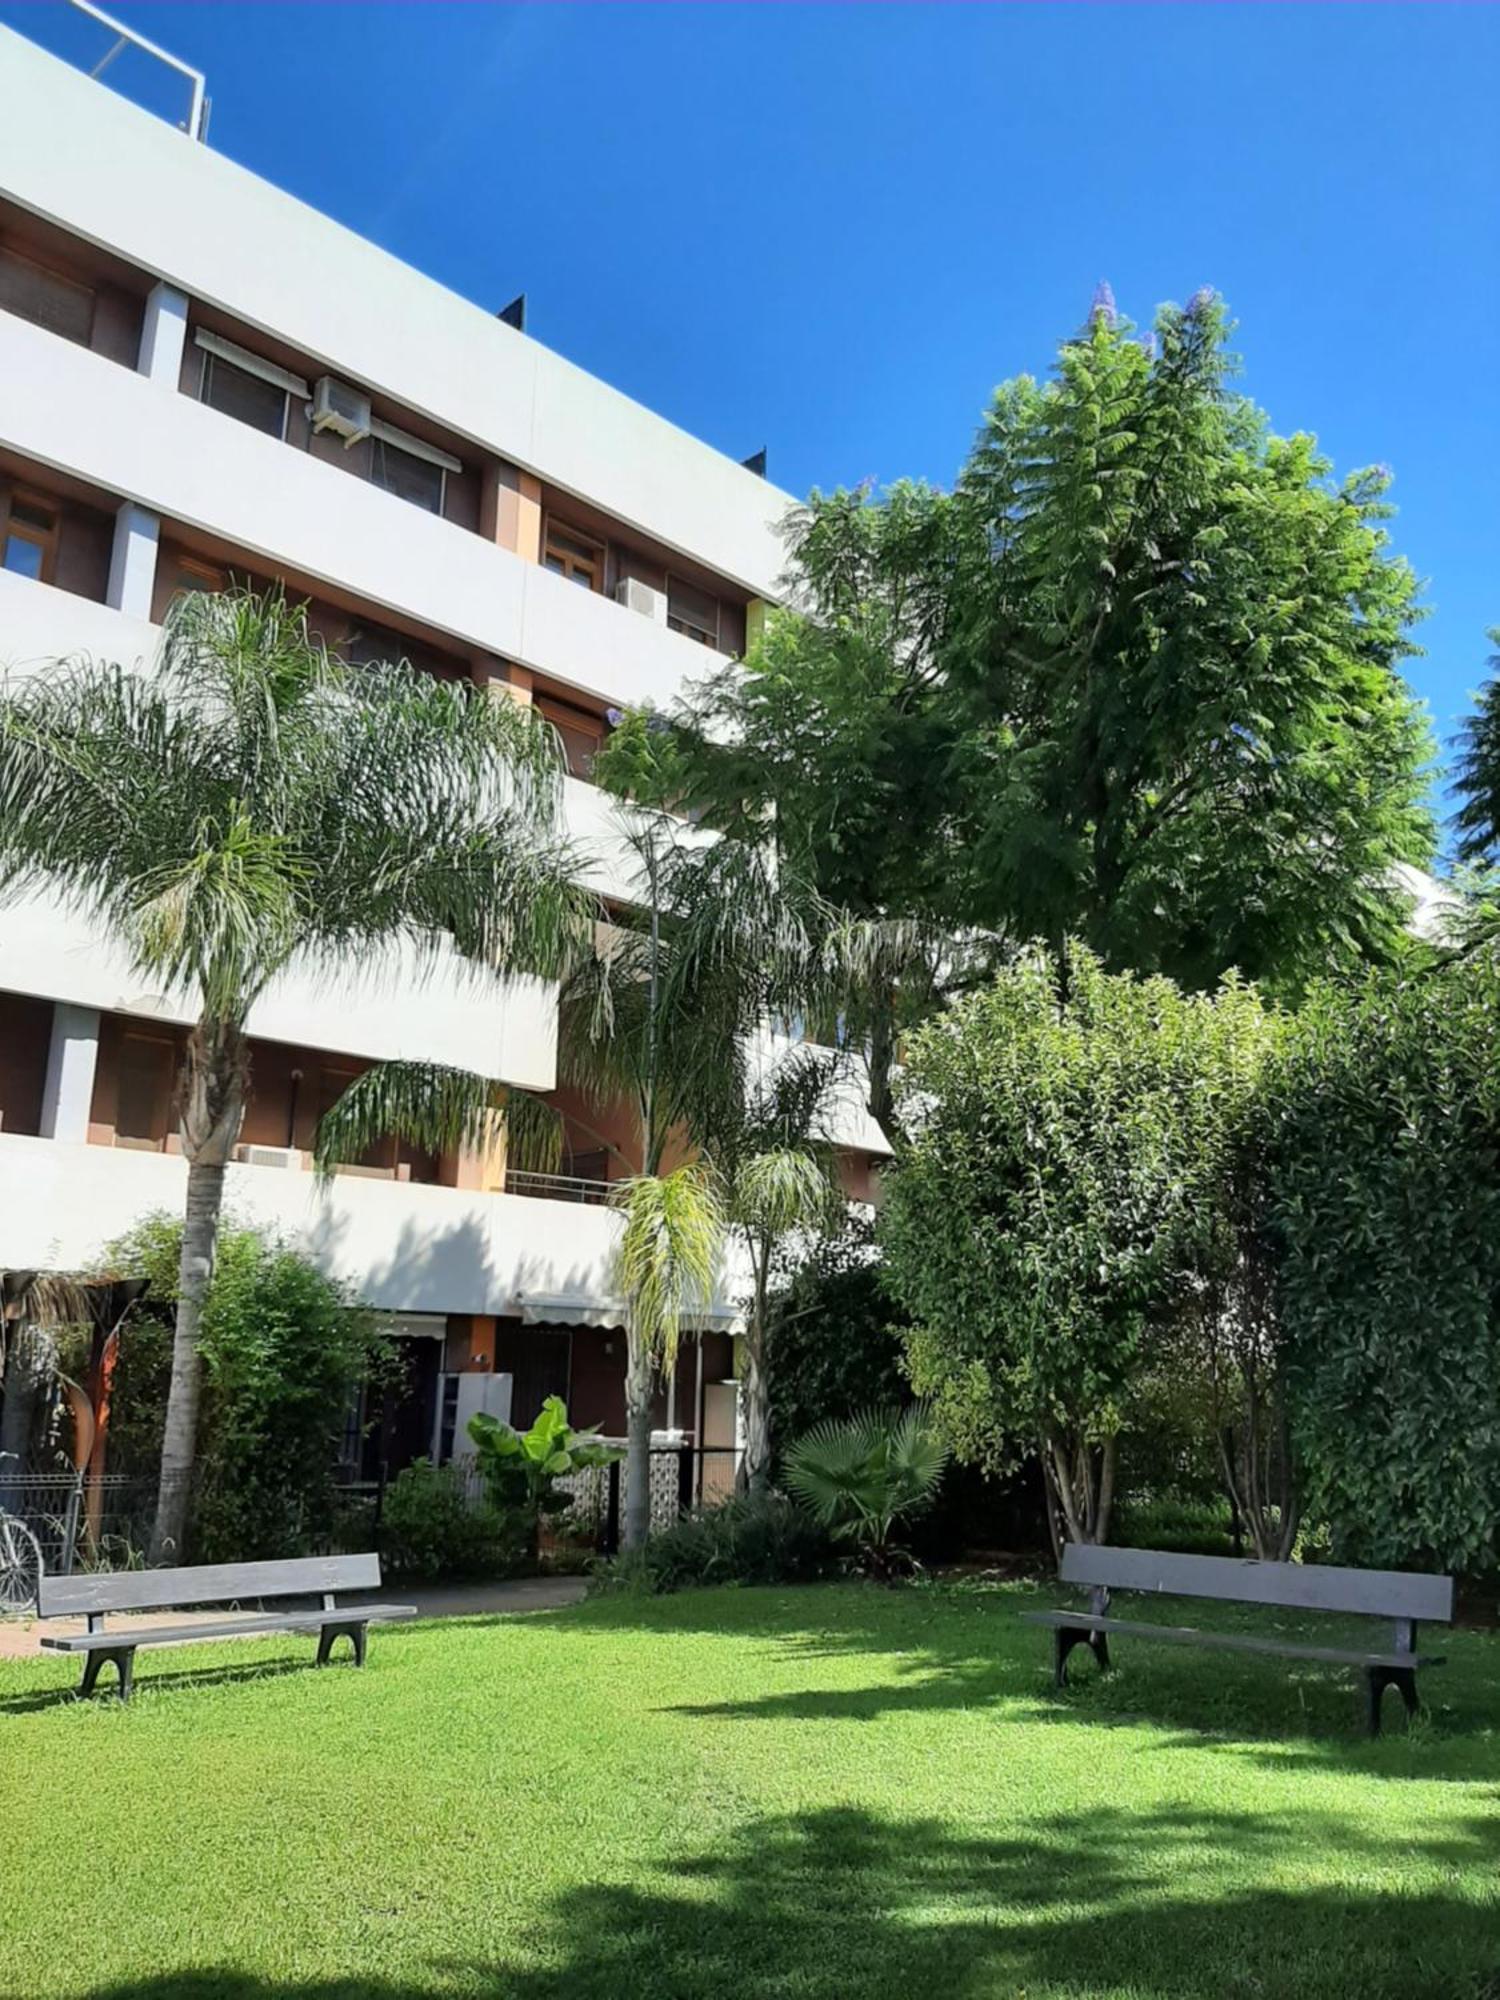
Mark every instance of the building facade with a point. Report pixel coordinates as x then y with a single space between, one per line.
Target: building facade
204 380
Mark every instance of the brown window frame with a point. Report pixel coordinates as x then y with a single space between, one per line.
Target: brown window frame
164 1103
567 715
209 361
593 567
689 627
46 539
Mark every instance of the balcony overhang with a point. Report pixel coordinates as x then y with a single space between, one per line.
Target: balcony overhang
570 1309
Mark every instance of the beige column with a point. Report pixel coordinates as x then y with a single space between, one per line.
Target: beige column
511 510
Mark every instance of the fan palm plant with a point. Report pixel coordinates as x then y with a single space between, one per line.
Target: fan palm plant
861 1476
251 806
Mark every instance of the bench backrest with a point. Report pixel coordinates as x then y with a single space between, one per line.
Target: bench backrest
214 1583
1379 1593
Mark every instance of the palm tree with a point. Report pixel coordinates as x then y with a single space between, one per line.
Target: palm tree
778 1190
254 805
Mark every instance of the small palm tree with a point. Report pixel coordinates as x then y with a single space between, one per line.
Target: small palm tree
779 1190
862 1475
252 806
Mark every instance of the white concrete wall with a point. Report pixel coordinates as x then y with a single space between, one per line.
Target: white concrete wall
74 151
83 414
403 1247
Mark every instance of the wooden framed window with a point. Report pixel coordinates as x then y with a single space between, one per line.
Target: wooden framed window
693 612
582 734
33 291
191 573
567 553
32 526
143 1106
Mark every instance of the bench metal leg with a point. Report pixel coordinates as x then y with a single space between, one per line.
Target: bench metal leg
1065 1638
1378 1679
354 1632
123 1660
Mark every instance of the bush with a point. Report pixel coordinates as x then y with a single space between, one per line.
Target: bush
430 1528
1385 1203
861 1477
285 1349
834 1344
753 1538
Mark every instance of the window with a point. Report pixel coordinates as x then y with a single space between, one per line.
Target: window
46 297
244 385
693 612
403 473
582 734
573 556
250 399
187 573
144 1103
31 531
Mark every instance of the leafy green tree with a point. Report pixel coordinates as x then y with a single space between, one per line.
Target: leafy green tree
1384 1198
1057 1208
834 1341
1476 777
251 806
1136 680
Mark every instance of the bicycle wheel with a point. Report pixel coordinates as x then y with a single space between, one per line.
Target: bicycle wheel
20 1567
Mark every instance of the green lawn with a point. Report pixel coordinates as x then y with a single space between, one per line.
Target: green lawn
822 1794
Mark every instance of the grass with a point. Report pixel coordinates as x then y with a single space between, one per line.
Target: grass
820 1794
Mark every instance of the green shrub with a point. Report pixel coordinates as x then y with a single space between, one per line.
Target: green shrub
834 1345
1385 1200
523 1470
752 1538
864 1476
285 1349
431 1528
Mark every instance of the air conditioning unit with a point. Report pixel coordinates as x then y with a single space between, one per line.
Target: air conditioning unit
268 1156
338 408
637 596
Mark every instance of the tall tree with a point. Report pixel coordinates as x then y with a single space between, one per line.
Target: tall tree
253 806
1477 774
1137 680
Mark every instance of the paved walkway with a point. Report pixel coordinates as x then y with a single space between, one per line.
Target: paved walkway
19 1639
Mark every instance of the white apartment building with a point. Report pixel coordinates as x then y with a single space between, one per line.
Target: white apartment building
201 377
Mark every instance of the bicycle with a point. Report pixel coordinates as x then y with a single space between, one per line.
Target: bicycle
21 1564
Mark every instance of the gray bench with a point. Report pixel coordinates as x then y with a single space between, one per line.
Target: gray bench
1404 1597
321 1577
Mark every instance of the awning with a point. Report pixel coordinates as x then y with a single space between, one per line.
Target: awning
566 1309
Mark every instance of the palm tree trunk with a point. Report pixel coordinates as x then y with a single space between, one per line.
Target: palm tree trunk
755 1389
214 1109
639 1387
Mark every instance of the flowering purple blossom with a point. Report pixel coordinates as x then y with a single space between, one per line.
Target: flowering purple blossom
1103 306
1383 473
1202 299
614 717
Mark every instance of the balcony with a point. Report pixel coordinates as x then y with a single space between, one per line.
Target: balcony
558 1187
284 509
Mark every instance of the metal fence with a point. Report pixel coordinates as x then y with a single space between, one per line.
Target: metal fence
102 1523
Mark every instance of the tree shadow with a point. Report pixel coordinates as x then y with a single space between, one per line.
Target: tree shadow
147 1682
1171 1904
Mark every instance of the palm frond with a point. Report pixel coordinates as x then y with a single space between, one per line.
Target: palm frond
775 1193
667 1254
439 1110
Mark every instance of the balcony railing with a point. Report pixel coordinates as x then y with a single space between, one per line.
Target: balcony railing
558 1187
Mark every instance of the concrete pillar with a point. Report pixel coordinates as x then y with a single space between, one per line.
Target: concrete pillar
163 335
511 510
132 561
68 1092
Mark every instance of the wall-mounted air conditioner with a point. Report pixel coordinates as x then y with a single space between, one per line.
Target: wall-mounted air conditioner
637 596
338 408
268 1156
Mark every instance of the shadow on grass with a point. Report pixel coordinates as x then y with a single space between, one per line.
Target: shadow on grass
148 1683
965 1648
843 1904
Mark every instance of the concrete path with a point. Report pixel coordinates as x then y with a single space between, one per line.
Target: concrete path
20 1638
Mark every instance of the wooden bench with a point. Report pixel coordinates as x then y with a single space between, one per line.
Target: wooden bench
321 1577
1404 1597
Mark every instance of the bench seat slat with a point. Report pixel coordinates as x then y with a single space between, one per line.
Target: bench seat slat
120 1636
210 1583
1375 1593
1236 1642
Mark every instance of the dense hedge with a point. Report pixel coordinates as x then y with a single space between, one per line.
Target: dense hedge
1384 1109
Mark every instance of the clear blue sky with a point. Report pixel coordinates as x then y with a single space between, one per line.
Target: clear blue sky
832 230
